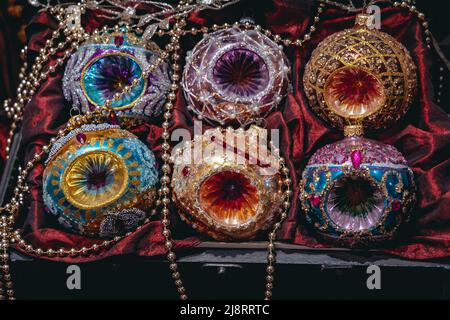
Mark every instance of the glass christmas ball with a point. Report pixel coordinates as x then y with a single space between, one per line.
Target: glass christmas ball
98 179
223 187
235 75
360 76
357 191
109 62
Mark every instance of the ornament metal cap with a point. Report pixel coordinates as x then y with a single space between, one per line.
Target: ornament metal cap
353 130
363 19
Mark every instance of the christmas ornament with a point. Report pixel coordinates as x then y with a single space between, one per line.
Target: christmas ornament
226 190
114 62
360 76
235 76
98 180
357 190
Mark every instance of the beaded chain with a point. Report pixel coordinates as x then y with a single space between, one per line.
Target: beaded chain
271 254
166 168
6 285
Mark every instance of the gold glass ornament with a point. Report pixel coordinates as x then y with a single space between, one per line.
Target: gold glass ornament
225 186
360 77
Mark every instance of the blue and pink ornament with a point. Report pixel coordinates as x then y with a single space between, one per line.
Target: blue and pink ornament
115 62
357 191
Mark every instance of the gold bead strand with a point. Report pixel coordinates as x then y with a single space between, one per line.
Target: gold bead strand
29 84
421 16
440 85
177 31
201 30
25 96
7 105
247 26
288 42
14 108
6 284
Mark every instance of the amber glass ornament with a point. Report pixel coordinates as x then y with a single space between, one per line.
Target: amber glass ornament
223 188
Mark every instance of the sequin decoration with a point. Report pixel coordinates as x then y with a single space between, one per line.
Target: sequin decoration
106 65
357 191
235 76
228 193
87 180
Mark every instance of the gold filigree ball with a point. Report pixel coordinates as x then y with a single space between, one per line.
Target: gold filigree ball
360 77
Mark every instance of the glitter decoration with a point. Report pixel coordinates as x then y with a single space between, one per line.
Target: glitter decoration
227 194
352 191
107 64
111 170
235 76
120 222
360 76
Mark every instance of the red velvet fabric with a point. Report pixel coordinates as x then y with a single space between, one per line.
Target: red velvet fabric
422 136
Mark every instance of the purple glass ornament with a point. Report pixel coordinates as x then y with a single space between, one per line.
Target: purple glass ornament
235 76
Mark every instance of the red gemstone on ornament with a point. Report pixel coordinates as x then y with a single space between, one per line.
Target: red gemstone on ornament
118 41
396 205
113 118
356 158
314 199
81 137
186 171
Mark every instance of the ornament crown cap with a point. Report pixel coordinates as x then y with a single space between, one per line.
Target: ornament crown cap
363 19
